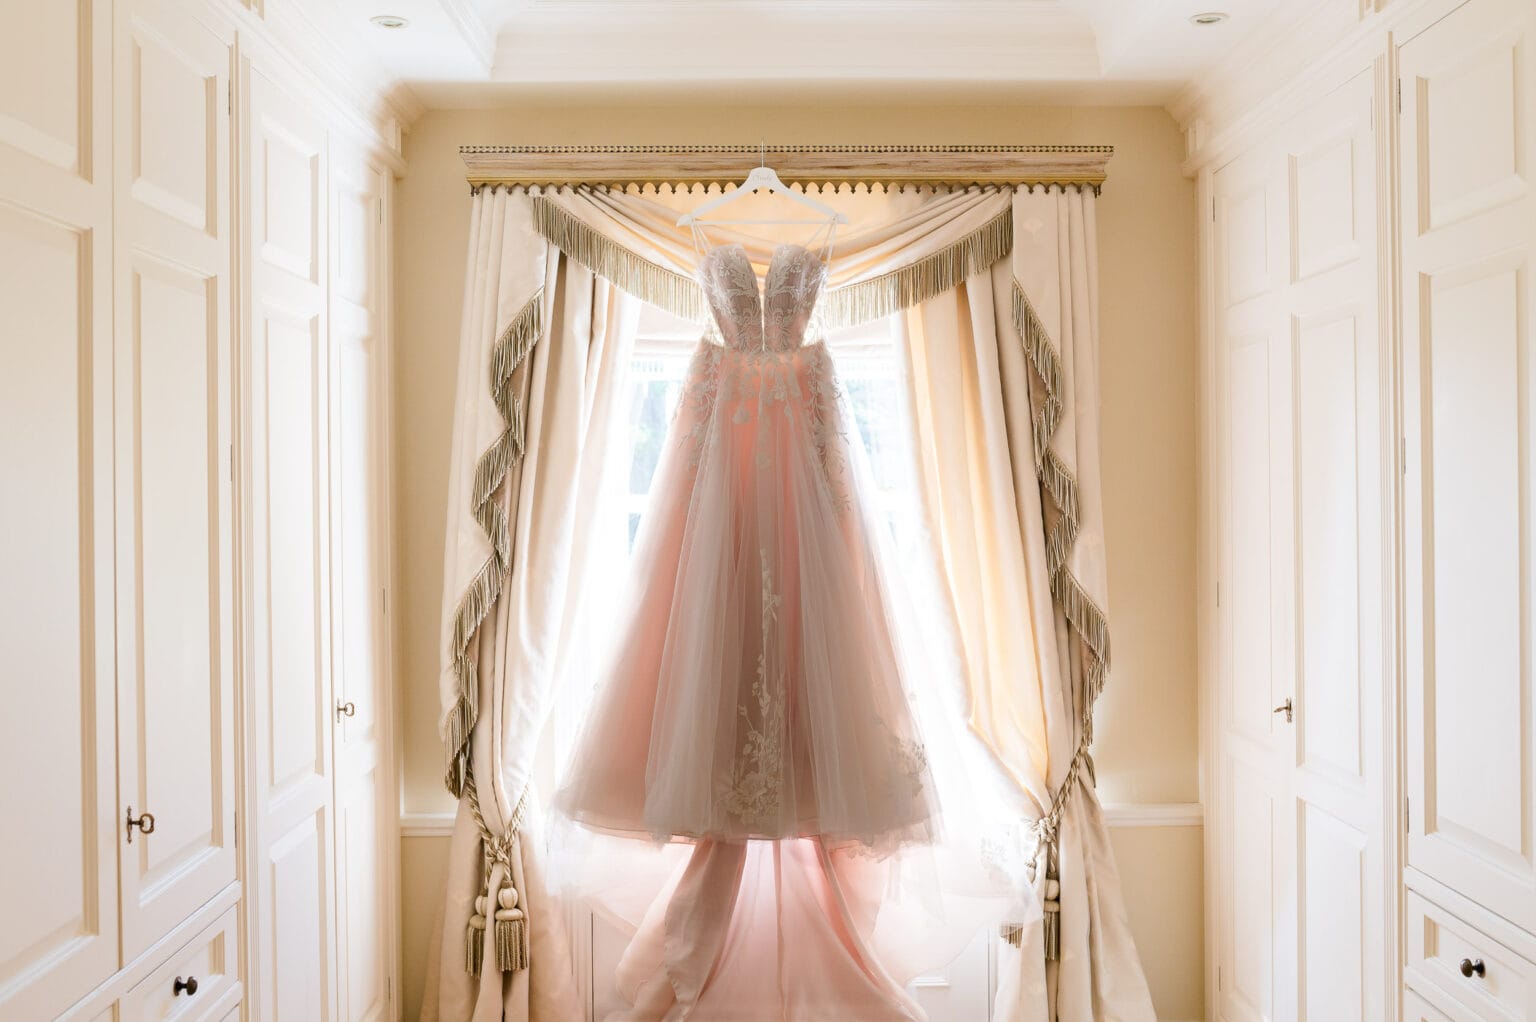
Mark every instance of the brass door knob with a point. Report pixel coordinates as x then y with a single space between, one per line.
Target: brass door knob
144 823
1287 708
345 709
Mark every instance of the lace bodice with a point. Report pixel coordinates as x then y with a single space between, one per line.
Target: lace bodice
775 318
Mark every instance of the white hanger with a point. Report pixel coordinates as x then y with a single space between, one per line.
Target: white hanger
764 177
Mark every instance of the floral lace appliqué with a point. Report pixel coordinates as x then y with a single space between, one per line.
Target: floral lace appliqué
756 792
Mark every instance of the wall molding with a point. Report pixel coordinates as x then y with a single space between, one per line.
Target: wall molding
1154 814
1116 814
426 824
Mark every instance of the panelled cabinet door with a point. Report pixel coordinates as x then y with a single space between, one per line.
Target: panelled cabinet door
1253 363
1468 222
291 707
1336 512
174 494
359 558
58 891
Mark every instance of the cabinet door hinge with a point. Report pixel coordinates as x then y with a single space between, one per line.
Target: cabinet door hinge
1407 816
1213 209
229 98
1399 95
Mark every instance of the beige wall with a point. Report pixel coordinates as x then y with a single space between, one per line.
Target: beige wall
1146 750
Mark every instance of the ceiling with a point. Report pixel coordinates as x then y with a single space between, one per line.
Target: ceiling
466 52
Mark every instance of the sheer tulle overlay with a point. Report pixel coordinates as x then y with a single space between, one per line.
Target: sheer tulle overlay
756 703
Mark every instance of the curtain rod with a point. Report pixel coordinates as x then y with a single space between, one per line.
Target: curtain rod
1074 166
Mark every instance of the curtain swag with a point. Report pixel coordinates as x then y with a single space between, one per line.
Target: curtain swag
918 282
848 305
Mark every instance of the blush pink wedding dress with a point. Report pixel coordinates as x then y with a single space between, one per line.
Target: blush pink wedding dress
753 704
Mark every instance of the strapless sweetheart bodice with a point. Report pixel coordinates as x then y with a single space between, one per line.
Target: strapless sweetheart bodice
774 318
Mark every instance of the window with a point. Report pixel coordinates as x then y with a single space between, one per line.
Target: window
867 369
869 372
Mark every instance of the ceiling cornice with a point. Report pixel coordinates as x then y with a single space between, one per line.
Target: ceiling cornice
477 33
1241 81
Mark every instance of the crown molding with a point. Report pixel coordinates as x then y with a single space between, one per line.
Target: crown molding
1292 37
1279 71
372 106
477 33
619 165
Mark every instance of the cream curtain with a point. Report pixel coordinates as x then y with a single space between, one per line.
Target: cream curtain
543 350
996 291
1003 375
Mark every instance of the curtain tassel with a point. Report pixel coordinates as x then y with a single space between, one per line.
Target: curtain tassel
474 944
1052 922
511 941
510 933
1013 933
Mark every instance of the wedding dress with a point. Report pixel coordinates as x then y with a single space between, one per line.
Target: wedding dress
753 704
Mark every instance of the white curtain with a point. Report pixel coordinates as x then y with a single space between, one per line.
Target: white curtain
997 294
1004 382
543 352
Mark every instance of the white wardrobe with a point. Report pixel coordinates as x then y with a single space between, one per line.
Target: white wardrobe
1368 455
193 533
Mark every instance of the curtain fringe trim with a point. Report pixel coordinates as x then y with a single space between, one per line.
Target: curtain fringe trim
1086 617
646 280
508 354
921 281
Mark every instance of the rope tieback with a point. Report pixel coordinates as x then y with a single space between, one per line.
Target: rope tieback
500 909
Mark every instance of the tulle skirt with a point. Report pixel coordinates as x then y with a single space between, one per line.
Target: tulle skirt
755 692
757 721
